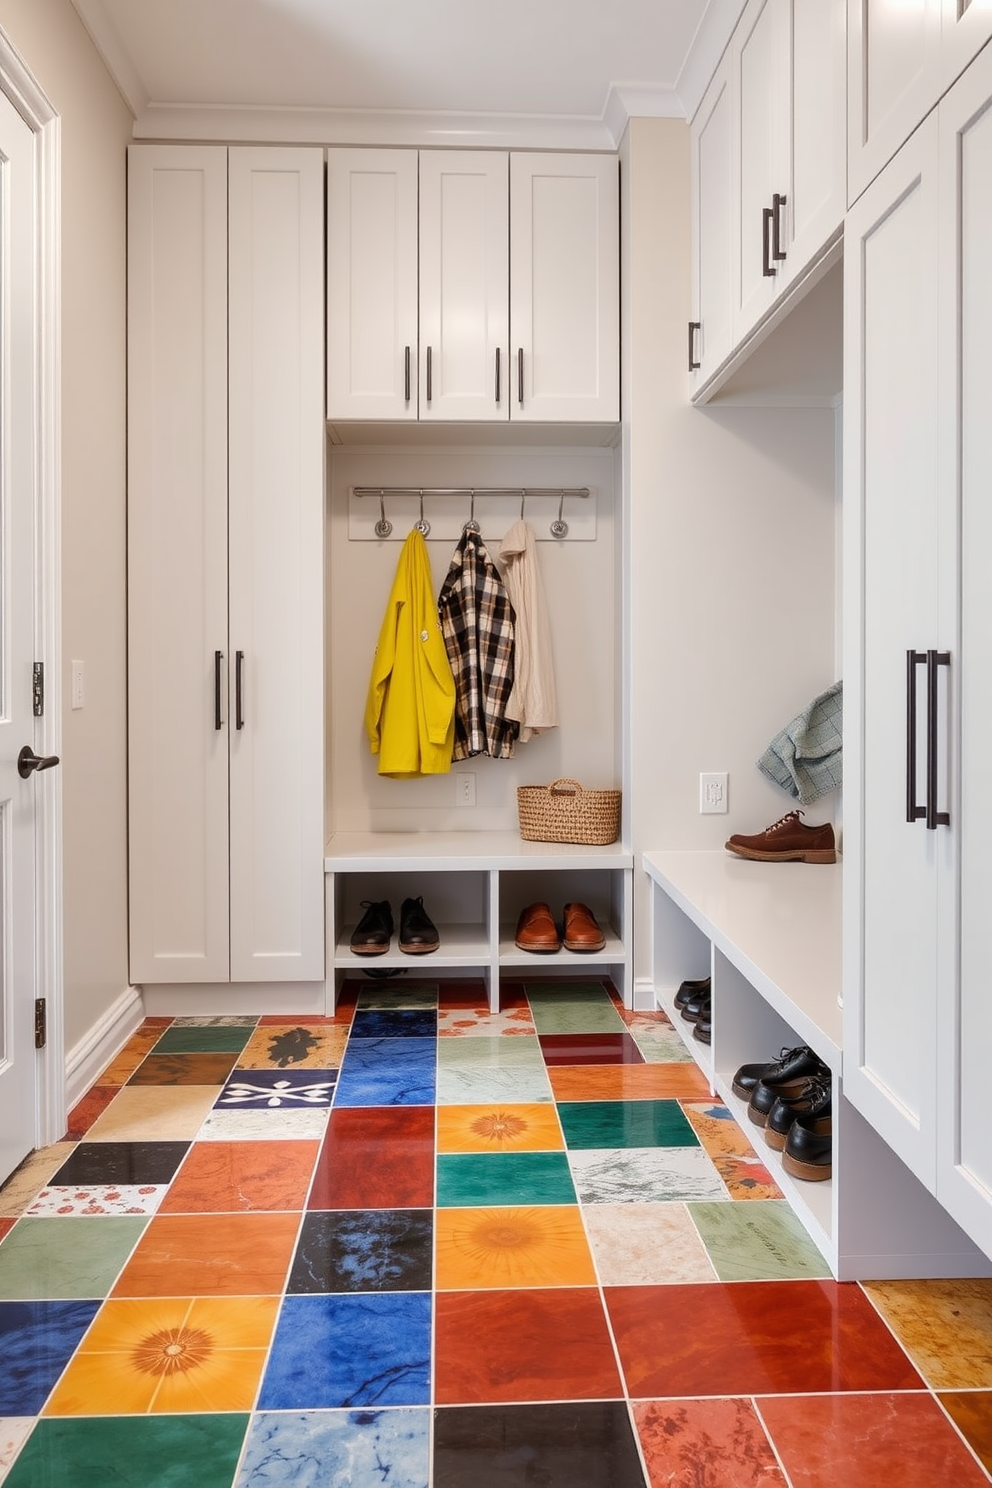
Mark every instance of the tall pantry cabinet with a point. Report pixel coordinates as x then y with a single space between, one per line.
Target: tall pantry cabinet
225 578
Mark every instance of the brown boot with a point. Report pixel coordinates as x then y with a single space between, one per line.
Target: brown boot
787 840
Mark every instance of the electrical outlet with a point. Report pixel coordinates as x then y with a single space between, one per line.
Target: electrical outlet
713 792
465 788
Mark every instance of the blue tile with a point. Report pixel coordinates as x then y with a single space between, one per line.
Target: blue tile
365 1449
37 1339
388 1072
276 1090
344 1351
394 1023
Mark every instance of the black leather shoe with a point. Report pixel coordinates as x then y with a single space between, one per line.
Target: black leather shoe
372 934
703 1030
789 1082
691 989
812 1099
697 1007
808 1148
790 1064
418 933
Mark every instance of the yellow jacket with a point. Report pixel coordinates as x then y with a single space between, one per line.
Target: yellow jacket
410 710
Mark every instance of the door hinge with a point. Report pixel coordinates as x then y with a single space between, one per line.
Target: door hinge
40 1023
38 688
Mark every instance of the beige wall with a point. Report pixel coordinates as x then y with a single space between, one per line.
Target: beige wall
95 128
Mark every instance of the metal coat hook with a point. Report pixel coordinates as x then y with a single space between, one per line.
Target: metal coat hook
471 525
384 526
559 527
523 498
422 525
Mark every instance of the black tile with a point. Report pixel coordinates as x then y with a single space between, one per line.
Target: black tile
364 1250
122 1162
394 1023
586 1444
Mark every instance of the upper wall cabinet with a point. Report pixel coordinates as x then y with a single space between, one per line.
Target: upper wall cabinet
498 300
901 59
711 334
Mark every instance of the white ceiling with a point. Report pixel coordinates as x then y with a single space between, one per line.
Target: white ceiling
559 71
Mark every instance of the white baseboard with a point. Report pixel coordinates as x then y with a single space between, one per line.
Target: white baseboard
86 1061
228 999
644 998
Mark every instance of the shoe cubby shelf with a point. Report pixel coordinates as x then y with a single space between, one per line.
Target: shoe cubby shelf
769 937
474 885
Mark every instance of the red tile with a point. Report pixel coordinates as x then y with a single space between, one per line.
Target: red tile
754 1338
376 1157
86 1111
719 1443
868 1441
6 1225
589 1048
492 1347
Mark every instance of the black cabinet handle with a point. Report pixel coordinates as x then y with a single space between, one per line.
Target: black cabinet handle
218 658
239 659
778 202
694 326
934 817
428 374
913 660
497 376
767 268
520 376
406 374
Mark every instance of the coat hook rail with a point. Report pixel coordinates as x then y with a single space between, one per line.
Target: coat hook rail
515 491
582 512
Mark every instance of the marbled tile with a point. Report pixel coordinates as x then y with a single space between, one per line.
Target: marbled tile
646 1245
662 1045
754 1338
590 1048
138 1046
199 1037
346 1351
167 1451
585 1444
376 1158
154 1113
641 1020
490 1084
388 1072
742 1169
14 1432
37 1339
167 1355
277 1090
389 1023
971 1412
213 1020
642 1123
944 1326
524 1344
338 1447
488 1051
480 1023
35 1171
644 1175
85 1111
757 1242
69 1257
294 1046
264 1126
397 994
364 1250
238 1177
466 1179
868 1440
96 1199
627 1082
192 1255
719 1443
183 1069
109 1163
574 1009
512 1247
498 1128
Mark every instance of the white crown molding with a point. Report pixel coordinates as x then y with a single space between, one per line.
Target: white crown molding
105 38
626 101
708 46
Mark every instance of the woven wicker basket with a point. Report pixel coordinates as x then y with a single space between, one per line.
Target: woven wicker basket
564 812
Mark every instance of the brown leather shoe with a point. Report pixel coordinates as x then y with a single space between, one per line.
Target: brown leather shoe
581 931
787 840
537 931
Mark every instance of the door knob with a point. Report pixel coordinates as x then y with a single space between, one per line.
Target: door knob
28 761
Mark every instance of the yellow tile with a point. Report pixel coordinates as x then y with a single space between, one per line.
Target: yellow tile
498 1128
35 1172
944 1326
503 1247
323 1048
154 1113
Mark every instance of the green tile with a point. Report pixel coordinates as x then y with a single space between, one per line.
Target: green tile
661 1046
72 1256
641 1123
501 1051
757 1242
572 1007
131 1452
207 1039
470 1178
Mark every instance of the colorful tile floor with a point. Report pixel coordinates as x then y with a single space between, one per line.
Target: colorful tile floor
418 1245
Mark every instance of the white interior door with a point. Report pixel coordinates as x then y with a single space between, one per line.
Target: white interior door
18 797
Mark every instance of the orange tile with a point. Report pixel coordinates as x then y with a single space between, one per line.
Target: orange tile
86 1111
294 1046
246 1256
134 1051
498 1128
716 1442
742 1168
237 1177
504 1247
628 1082
169 1354
971 1412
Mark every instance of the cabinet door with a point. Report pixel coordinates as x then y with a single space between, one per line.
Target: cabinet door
177 562
712 224
891 606
371 284
893 80
464 279
276 569
760 52
964 1182
564 288
966 26
815 209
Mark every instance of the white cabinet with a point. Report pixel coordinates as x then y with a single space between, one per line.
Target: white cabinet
511 265
760 53
712 145
225 536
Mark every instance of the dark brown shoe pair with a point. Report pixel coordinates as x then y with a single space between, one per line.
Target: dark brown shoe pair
788 840
538 932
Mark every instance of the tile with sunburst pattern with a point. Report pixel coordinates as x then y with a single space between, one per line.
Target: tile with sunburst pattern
512 1247
498 1128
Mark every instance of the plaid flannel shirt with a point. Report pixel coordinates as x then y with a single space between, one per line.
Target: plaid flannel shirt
477 623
